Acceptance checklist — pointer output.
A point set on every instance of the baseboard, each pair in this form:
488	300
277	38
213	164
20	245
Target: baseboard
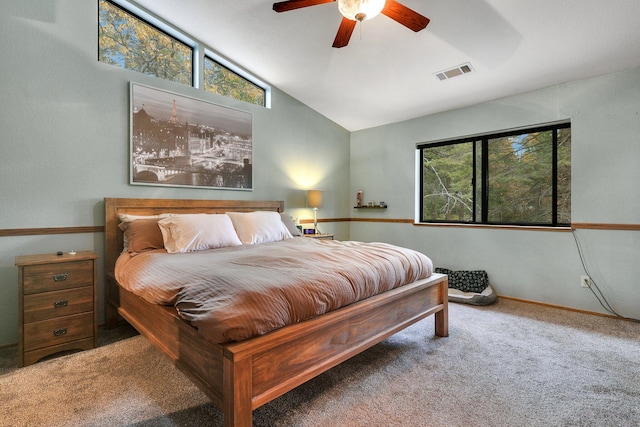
6	346
560	307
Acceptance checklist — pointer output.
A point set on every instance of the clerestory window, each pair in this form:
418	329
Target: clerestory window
129	42
130	38
223	81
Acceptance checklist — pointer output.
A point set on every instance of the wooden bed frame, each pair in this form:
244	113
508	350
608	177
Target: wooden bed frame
242	376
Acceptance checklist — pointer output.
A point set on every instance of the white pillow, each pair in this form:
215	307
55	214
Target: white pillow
259	227
197	232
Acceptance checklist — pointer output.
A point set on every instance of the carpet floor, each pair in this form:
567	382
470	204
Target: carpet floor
509	364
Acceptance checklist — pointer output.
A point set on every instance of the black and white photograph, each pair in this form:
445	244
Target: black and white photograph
182	141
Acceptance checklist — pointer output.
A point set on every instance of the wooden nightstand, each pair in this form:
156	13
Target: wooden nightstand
319	236
57	304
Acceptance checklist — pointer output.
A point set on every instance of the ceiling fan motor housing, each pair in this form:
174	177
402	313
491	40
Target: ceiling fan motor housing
360	10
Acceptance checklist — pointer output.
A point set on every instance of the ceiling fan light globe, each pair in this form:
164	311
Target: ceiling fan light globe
360	10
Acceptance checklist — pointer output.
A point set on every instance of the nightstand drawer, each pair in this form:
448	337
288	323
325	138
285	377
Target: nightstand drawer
57	331
47	305
52	277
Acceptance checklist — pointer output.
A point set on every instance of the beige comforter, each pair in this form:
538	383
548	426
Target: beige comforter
235	293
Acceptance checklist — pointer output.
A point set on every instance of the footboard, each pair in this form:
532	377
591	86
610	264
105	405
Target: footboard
257	371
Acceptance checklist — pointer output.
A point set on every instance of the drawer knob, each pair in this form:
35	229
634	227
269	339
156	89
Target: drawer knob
59	332
61	303
59	277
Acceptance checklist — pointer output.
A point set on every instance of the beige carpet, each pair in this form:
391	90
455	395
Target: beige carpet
510	364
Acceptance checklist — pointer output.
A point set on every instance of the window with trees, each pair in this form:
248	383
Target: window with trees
518	177
127	40
221	80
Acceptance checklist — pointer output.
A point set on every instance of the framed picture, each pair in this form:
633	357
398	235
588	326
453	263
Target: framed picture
180	141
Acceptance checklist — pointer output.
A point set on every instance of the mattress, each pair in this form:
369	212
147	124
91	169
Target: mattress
235	293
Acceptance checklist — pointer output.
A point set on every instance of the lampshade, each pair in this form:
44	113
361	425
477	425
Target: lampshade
314	198
360	10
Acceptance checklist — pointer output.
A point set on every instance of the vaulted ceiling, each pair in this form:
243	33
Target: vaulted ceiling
386	73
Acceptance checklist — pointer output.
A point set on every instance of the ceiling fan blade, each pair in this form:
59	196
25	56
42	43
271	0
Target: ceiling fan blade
284	6
344	32
405	16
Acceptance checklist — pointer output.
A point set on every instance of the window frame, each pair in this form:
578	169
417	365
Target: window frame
199	50
480	193
208	54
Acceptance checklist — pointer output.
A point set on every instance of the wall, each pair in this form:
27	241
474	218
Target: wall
535	265
64	124
64	137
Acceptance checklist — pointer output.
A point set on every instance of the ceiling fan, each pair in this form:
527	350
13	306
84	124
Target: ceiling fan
354	11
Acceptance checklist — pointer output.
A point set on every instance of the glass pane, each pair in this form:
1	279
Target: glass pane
127	41
447	187
219	79
520	179
564	176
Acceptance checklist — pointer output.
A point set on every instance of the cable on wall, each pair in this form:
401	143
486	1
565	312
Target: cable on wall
593	287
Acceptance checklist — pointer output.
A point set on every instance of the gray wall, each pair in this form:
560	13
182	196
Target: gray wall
535	265
64	120
64	138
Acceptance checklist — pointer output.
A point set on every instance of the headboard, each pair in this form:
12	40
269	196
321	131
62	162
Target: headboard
113	240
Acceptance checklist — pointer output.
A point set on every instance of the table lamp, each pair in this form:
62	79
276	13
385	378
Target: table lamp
314	200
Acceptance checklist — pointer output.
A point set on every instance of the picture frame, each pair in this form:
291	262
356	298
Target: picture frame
180	141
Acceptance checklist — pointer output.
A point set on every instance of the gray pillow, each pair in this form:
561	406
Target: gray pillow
286	219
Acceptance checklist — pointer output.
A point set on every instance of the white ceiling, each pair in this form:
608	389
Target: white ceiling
386	73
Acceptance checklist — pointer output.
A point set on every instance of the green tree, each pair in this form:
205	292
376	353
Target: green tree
520	179
564	176
219	79
131	43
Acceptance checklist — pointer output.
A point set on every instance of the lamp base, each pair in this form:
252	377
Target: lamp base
315	221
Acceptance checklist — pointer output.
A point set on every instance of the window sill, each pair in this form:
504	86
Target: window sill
491	226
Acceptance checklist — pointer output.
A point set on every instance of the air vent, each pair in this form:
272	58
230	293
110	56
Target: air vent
454	72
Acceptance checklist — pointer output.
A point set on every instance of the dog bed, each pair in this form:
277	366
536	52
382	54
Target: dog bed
469	287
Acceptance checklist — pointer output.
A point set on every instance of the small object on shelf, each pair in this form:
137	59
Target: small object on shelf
359	199
383	205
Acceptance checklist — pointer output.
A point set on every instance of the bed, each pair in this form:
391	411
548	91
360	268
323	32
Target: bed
240	376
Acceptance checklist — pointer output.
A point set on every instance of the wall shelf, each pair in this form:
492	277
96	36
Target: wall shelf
369	207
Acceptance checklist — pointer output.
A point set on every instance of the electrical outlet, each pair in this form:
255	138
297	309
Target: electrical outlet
585	281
